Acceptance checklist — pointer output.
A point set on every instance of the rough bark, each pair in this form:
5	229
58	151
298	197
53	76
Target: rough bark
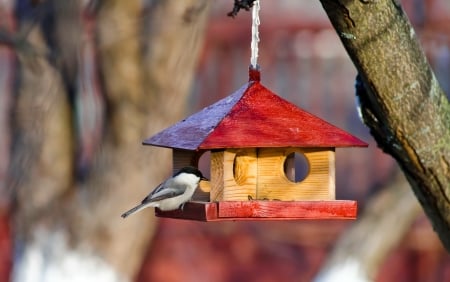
56	210
401	101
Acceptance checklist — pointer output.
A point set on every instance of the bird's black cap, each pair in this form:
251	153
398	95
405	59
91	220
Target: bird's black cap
191	170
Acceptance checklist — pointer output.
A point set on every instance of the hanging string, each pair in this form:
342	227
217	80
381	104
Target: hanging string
255	35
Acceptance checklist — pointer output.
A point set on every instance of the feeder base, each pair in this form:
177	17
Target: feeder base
263	210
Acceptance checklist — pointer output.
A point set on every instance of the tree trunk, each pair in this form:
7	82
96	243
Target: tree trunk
401	101
67	215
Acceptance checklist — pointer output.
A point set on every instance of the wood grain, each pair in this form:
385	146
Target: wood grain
288	209
182	158
240	174
233	174
263	210
217	175
274	185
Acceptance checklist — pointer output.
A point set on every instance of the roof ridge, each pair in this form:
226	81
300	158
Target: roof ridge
253	116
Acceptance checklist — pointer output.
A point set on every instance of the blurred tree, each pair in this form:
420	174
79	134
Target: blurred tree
361	249
125	65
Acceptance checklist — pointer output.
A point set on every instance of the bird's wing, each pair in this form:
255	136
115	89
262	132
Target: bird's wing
165	190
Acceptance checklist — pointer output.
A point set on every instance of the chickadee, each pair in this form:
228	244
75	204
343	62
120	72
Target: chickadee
172	193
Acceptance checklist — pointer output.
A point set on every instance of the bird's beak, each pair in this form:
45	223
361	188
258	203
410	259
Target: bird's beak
204	179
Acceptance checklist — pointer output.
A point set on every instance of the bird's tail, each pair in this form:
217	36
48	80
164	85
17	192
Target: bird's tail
136	209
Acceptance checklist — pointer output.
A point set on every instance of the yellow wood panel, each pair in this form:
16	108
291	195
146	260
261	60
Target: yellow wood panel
240	169
217	169
273	183
233	174
332	174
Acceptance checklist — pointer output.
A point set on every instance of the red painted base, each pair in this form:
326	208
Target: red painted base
264	210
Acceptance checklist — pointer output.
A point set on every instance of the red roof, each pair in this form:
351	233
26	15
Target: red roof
252	116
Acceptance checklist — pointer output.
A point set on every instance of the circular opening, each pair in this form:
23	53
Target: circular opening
296	167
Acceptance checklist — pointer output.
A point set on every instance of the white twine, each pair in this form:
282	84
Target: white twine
255	35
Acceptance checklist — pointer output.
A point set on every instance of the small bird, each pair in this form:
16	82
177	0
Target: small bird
172	193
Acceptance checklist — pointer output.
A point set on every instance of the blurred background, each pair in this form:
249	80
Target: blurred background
84	82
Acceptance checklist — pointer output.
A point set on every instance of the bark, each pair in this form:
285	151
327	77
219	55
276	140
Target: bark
61	218
401	101
42	145
135	95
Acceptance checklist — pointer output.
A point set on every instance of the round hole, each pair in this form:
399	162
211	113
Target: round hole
296	167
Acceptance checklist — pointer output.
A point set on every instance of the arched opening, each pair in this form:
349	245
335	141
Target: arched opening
204	163
296	167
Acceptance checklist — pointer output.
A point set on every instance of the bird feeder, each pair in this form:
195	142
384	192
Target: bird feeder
251	136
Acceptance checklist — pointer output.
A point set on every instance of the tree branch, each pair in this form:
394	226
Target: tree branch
401	101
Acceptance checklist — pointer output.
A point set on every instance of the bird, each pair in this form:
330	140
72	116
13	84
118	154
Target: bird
173	193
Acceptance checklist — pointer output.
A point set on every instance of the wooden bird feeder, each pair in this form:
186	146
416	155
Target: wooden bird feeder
251	136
